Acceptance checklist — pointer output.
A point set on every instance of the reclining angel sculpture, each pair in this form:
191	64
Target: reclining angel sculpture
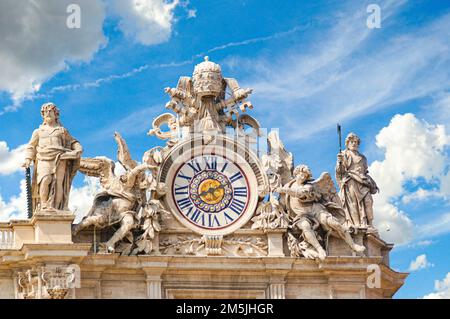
124	200
314	206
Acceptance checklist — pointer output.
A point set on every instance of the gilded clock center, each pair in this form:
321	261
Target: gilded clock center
211	191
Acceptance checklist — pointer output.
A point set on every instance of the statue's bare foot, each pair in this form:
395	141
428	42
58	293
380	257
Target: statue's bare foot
358	248
106	248
322	254
109	248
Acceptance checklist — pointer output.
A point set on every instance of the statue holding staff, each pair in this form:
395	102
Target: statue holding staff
56	157
356	186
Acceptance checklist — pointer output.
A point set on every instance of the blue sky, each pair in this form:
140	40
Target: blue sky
311	64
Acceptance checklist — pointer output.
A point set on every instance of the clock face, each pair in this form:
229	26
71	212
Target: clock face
211	192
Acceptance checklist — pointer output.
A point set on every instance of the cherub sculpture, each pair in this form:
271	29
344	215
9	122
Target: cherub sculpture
123	199
200	102
314	205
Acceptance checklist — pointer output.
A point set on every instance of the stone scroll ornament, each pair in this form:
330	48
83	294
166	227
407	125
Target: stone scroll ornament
172	135
56	158
123	201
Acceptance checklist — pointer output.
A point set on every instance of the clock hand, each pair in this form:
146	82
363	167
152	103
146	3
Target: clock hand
204	193
211	190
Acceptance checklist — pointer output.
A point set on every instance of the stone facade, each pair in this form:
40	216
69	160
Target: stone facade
208	215
340	275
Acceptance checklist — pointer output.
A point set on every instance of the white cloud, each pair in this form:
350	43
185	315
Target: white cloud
393	224
16	206
146	21
37	44
442	289
420	262
11	160
81	199
413	149
192	13
345	75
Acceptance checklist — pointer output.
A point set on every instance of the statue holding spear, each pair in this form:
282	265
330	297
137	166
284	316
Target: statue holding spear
356	185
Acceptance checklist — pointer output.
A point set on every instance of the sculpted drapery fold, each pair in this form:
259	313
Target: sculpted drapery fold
56	158
356	186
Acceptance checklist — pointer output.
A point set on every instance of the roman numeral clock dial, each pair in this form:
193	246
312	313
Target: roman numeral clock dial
212	194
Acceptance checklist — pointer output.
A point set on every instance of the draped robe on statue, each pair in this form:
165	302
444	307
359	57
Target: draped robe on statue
56	154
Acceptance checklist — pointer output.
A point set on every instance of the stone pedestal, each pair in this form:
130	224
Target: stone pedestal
23	233
53	227
44	244
275	242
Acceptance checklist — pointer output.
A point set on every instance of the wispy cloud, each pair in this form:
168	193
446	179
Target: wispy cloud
254	40
351	71
137	122
421	243
145	67
113	77
436	227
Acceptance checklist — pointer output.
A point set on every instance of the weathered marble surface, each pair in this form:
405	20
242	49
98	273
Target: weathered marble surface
177	276
55	156
205	216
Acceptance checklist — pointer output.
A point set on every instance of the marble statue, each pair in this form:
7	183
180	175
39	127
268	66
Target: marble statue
312	204
356	186
205	189
141	205
123	199
56	157
200	102
278	165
